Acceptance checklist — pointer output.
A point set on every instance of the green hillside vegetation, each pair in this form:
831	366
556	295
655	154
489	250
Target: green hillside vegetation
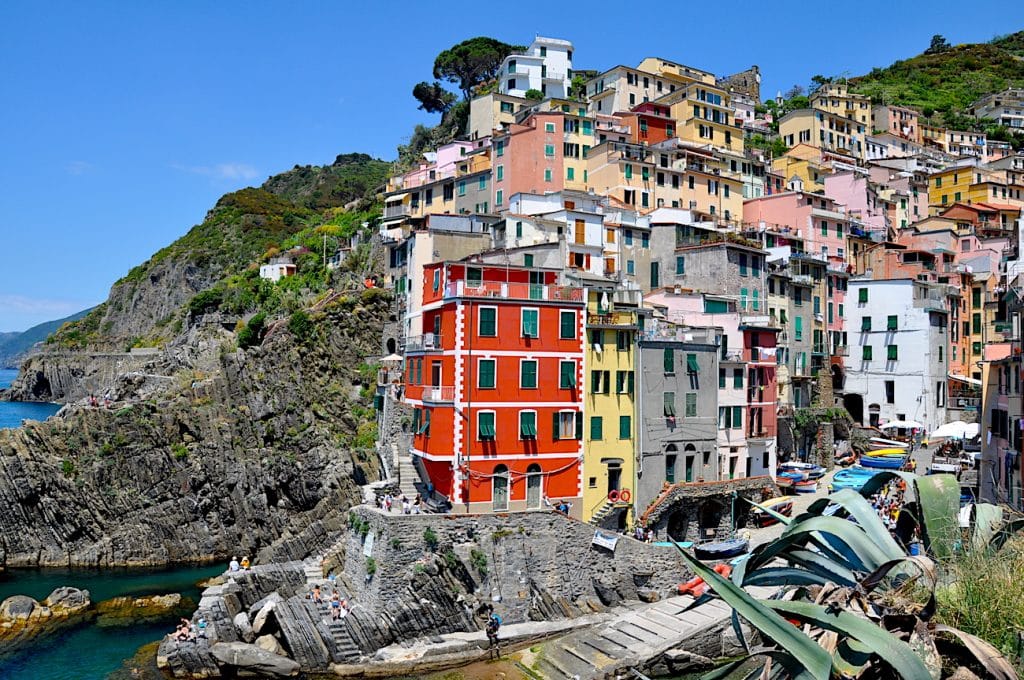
947	79
13	346
307	210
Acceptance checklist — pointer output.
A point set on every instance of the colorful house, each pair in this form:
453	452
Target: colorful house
496	387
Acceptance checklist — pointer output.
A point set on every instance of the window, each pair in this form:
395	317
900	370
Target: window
680	265
817	304
629	171
743	264
462	187
500	173
743	298
862	295
567	325
530	323
940	353
547	174
567	425
622	341
600	382
487	325
625	427
890	391
842	313
527	424
669	401
892	323
866	354
737	378
498	197
976	323
691	405
567	375
737	417
596	428
628	235
437	279
645	240
631	267
891	352
483	183
670	468
669	360
527	260
485	426
499	148
549	127
570	174
691	364
798	328
486	369
425	424
528	374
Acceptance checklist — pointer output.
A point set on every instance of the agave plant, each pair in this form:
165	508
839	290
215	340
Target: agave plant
849	601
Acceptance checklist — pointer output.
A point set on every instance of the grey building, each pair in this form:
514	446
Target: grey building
677	408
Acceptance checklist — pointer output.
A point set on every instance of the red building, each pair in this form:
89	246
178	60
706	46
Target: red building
759	349
649	123
496	386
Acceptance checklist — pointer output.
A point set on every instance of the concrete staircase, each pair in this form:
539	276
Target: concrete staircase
347	648
602	513
408	477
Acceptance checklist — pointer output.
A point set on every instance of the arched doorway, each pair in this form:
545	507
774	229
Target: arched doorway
689	461
678	525
709	518
534	487
499	489
874	415
838	378
854	403
670	463
391	345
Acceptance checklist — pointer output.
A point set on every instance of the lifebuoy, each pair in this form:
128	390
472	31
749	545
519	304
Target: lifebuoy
625	495
613	496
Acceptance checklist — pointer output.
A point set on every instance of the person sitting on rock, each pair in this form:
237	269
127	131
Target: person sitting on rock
233	565
245	562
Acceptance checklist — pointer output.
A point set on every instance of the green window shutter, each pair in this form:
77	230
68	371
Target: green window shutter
830	312
817	304
568	325
737	417
680	265
737	378
629	171
486	378
567	375
625	427
862	295
587	129
976	297
669	360
691	404
596	428
866	353
892	323
645	173
528	260
842	313
595	382
485	425
798	324
530	324
865	323
976	323
721	378
527	424
570	174
670	403
579	425
425	428
629	380
691	364
756	303
417	416
528	374
488	321
743	298
556	423
724	418
892	352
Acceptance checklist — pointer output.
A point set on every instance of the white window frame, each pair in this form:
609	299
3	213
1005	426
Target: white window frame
479	320
495	414
522	317
478	362
536	374
562	421
519	424
575	324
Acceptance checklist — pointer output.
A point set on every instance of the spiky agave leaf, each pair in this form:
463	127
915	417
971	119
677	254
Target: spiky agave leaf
990	657
867	518
938	497
806	651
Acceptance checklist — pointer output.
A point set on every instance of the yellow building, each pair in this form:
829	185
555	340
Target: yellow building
970	184
704	115
824	130
837	99
609	446
805	162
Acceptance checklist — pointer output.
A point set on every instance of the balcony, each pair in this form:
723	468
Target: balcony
397	210
422	343
613	319
733	356
801	279
514	291
439	393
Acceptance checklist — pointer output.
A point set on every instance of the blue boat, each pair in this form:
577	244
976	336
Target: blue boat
851	478
722	550
883	462
809	470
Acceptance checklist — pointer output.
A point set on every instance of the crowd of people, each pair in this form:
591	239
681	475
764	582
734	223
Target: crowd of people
339	606
400	503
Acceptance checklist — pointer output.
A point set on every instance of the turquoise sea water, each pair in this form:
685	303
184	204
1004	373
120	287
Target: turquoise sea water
12	413
92	652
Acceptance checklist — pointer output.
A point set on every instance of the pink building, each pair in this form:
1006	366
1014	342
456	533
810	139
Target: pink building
439	165
819	220
853	190
528	157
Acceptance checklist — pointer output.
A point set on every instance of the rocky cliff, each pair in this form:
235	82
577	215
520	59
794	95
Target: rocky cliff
221	450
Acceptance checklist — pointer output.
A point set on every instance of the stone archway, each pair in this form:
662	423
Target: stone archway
838	377
709	518
679	525
391	346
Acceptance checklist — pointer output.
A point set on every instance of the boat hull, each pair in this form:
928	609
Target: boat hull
720	550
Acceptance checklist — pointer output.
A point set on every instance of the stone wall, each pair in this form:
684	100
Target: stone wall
535	566
695	512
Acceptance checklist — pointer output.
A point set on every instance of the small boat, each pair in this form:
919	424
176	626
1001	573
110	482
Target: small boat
670	544
809	469
886	452
883	462
783	505
806	486
851	478
721	550
793	475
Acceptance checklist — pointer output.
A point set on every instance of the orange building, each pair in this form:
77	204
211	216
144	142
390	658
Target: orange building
496	387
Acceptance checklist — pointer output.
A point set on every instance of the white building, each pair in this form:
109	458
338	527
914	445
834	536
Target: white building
897	365
275	271
1006	107
546	66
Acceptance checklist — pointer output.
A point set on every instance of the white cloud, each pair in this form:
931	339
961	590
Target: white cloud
78	167
229	171
21	304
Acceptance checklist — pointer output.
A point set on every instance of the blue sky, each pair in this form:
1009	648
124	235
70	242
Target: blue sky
121	123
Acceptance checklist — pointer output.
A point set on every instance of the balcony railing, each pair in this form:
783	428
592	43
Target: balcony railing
419	343
397	210
611	319
733	356
438	393
514	291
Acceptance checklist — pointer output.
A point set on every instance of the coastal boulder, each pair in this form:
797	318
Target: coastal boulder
17	608
270	644
124	611
22	619
245	658
264	619
243	627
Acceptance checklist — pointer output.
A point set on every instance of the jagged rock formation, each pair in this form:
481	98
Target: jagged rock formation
23	620
197	463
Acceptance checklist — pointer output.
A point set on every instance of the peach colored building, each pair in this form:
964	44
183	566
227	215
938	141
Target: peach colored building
819	220
528	157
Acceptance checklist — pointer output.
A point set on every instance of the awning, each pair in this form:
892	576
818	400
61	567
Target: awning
964	379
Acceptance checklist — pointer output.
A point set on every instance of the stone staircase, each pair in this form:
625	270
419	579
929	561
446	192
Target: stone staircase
602	513
408	477
347	647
